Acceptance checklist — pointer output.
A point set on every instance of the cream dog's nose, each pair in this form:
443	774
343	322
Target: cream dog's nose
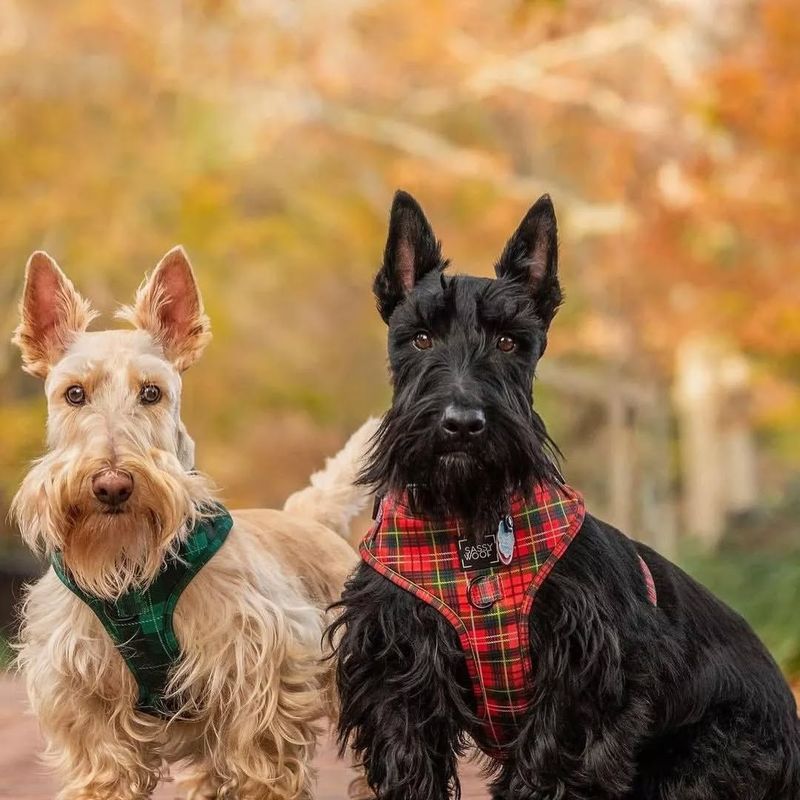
112	487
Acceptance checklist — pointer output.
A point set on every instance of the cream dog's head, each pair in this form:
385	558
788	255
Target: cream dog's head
116	490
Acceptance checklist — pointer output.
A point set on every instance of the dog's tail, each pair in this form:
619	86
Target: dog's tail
332	497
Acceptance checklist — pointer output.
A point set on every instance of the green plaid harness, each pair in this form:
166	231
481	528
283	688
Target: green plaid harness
485	590
140	621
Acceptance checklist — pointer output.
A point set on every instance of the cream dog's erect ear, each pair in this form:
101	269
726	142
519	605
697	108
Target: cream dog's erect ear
168	305
52	315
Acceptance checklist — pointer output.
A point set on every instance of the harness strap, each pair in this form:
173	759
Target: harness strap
140	622
485	589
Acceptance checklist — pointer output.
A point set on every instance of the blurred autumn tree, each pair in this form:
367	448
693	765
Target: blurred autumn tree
723	237
267	136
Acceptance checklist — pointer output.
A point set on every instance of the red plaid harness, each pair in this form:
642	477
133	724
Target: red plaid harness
485	591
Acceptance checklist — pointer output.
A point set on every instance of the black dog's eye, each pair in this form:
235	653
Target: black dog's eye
423	341
506	344
149	394
75	395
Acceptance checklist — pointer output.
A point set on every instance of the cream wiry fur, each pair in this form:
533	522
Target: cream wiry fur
251	680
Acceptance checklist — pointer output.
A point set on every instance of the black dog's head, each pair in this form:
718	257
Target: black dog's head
463	351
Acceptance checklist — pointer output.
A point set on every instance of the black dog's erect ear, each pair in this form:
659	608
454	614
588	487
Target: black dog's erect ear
531	257
411	253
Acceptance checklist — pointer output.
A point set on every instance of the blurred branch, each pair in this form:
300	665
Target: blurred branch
583	218
530	72
286	108
639	118
600	40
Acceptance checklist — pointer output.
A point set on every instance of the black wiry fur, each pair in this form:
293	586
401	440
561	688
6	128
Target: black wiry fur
628	702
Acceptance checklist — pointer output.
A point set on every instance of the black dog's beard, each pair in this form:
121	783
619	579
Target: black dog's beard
460	487
475	486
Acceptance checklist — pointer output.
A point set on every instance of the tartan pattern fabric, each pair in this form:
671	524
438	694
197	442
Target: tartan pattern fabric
488	607
140	621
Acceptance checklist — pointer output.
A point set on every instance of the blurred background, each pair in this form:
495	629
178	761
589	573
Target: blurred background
268	136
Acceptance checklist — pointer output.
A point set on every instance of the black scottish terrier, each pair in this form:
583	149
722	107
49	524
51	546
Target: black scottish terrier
627	701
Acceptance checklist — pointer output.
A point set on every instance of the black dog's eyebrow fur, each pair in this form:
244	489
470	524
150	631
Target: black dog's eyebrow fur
498	311
487	308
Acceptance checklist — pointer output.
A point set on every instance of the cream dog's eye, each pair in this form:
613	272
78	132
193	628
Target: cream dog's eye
149	394
75	395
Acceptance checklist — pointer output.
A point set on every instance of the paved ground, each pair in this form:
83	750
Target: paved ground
22	778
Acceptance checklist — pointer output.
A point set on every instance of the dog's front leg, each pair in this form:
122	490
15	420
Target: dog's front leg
98	761
566	756
594	648
265	721
400	683
406	744
404	760
576	753
95	748
81	691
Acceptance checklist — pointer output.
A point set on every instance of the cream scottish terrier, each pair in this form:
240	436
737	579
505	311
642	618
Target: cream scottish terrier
112	503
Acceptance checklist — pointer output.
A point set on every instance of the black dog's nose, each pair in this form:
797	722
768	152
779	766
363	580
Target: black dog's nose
463	422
